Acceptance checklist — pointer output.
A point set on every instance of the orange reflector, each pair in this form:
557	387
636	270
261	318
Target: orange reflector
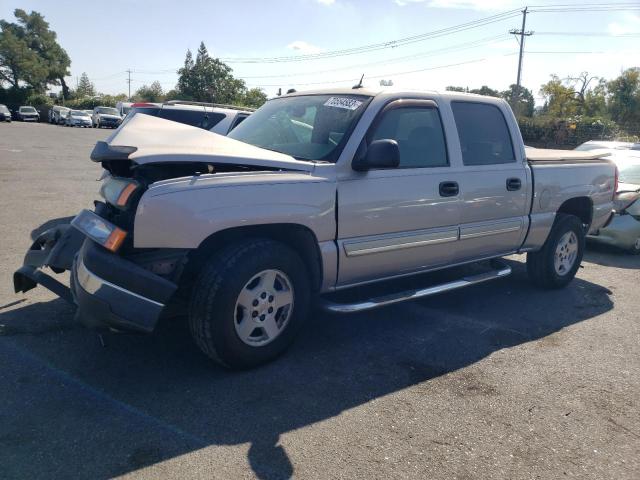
115	239
125	194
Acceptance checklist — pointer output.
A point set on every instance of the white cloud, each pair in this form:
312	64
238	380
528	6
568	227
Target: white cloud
304	47
326	2
463	4
630	25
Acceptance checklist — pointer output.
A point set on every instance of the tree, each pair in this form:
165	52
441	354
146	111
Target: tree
151	93
624	97
19	64
254	98
521	100
484	90
30	53
595	100
560	100
208	79
85	87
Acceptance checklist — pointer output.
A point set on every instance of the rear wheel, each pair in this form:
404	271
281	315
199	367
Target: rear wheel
555	265
635	249
249	302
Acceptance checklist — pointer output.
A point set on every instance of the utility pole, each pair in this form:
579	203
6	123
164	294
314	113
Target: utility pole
522	33
129	82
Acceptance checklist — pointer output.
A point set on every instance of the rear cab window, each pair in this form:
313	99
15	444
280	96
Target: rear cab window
484	134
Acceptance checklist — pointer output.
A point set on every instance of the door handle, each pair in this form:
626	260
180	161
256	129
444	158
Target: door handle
513	184
449	189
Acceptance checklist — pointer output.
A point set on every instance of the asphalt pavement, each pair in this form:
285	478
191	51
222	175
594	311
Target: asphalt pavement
498	381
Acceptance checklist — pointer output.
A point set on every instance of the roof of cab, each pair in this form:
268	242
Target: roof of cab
389	92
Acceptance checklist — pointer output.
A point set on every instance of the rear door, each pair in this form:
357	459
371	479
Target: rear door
494	186
401	220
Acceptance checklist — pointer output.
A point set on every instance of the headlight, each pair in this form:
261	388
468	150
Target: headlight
99	230
119	191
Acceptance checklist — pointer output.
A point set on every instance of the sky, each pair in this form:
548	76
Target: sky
151	37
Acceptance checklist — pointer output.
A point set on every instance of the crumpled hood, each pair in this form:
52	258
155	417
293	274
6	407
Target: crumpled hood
157	140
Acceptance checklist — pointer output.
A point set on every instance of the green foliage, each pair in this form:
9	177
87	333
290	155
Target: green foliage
151	93
551	132
560	99
39	100
85	87
208	79
87	103
30	54
624	97
520	99
484	90
253	98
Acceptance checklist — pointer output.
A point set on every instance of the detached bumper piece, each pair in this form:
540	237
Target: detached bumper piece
116	293
55	248
109	290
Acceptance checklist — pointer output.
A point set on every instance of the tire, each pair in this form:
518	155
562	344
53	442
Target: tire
216	315
635	249
542	268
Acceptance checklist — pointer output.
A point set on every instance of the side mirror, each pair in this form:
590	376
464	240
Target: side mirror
380	154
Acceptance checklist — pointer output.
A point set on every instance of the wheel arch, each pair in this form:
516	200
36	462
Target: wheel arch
298	237
581	207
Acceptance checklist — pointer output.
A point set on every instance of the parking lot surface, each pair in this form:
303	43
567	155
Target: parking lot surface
500	380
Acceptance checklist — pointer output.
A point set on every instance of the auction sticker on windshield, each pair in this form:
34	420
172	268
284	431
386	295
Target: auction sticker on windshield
343	102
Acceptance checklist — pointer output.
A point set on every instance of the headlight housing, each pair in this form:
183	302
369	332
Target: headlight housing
119	192
99	230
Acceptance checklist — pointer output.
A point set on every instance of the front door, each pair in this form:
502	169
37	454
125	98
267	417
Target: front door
400	220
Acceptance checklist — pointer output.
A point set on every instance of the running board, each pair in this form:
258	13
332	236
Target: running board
500	271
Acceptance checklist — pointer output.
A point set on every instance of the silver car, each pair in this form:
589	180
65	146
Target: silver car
78	118
624	229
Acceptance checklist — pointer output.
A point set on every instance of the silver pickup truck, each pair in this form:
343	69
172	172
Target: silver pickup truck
315	193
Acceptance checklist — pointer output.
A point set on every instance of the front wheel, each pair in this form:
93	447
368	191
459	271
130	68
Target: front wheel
249	302
555	265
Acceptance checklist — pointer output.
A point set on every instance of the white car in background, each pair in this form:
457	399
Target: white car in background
78	118
106	117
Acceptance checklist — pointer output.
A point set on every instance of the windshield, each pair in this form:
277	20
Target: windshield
78	113
28	109
108	111
309	127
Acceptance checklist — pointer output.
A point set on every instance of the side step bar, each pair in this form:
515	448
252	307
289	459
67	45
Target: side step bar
501	270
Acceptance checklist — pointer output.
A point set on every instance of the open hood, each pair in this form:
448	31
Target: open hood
145	139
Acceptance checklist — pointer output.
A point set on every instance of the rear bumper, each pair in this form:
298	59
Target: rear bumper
109	291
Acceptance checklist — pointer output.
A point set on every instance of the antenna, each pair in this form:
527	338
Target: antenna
359	84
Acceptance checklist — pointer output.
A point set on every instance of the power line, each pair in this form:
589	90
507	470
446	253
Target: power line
382	45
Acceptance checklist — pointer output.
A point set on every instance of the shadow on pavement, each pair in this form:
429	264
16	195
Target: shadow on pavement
609	256
84	410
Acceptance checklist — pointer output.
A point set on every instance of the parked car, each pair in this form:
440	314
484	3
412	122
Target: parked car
57	114
5	114
28	114
607	144
217	118
313	194
62	116
106	117
78	118
624	230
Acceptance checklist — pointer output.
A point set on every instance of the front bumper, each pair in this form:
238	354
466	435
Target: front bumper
109	290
